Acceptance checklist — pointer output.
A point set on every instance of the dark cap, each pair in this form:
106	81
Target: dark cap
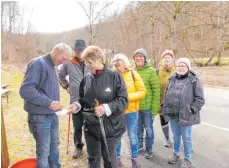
79	45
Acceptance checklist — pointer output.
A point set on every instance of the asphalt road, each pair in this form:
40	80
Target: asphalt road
210	138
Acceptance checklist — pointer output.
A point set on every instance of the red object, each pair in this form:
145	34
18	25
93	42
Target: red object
69	119
170	54
27	163
98	72
75	61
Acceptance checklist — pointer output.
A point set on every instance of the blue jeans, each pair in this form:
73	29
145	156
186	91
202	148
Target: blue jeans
146	121
132	124
186	133
45	130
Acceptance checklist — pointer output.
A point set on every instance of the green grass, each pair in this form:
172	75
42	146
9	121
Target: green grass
213	61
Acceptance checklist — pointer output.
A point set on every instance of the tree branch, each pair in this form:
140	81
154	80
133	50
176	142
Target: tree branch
85	11
105	6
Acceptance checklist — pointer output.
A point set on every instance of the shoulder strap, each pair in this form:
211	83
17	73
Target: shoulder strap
157	71
132	73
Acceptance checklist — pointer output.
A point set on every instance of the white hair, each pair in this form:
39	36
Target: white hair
124	58
62	47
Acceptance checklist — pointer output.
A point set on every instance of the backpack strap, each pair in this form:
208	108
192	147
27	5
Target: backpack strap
157	71
132	73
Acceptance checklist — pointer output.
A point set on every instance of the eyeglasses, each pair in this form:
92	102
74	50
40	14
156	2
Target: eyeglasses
181	66
138	56
117	60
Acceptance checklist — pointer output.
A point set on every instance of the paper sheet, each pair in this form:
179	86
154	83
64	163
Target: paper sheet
62	112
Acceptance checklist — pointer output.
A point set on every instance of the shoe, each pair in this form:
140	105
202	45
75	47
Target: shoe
77	153
149	153
140	148
168	144
174	158
135	163
186	164
119	163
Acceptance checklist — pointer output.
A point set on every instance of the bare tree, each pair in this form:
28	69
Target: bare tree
93	13
9	17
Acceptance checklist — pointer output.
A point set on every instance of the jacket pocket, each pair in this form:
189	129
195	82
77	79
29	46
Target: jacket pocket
114	126
186	113
110	127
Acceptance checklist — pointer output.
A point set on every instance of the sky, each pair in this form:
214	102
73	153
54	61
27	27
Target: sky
58	16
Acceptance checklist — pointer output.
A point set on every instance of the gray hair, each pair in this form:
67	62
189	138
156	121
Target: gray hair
62	47
124	58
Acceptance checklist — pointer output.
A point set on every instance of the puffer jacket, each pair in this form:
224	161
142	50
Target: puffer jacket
150	79
191	100
163	76
135	88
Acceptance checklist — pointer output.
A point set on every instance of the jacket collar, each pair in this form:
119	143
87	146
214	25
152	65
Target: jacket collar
100	72
192	75
49	59
146	65
75	60
182	76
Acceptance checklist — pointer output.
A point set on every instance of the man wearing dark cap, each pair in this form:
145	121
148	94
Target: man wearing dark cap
76	70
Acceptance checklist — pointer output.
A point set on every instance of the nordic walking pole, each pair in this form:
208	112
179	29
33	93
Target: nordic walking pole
103	133
69	120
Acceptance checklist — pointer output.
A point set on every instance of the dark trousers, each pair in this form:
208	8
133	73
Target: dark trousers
96	148
78	124
163	122
165	127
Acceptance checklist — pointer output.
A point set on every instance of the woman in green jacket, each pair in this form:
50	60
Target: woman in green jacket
150	105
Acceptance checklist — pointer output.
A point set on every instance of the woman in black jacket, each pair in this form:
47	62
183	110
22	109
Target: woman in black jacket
103	99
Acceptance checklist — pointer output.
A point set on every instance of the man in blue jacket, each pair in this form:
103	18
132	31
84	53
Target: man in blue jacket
40	91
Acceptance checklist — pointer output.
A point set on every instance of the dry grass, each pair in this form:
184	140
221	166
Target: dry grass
21	144
215	76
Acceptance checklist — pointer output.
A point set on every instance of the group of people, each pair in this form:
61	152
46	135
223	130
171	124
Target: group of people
106	102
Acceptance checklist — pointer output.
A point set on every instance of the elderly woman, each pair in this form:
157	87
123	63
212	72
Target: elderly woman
182	103
103	99
136	91
164	71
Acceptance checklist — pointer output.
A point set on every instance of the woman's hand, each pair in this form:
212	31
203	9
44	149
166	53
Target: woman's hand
99	111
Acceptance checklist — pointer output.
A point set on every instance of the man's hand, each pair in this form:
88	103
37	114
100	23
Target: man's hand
55	106
72	108
99	111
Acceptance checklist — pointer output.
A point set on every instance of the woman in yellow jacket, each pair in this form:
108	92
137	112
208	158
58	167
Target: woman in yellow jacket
136	91
165	70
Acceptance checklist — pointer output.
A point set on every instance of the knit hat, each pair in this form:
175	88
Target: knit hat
141	51
79	44
167	52
124	59
185	61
